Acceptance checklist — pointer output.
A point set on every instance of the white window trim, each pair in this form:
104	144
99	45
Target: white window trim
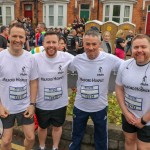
122	11
4	13
55	15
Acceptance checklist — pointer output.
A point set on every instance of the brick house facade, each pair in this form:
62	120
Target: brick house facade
60	13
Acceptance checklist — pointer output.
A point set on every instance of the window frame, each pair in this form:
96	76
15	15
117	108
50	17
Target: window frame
122	11
56	15
4	15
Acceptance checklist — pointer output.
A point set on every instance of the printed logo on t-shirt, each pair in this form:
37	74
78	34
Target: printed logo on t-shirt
89	92
144	81
133	103
17	93
51	94
23	73
100	72
60	70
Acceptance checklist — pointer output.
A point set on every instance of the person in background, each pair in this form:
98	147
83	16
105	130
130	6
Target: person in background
53	92
72	42
106	44
94	70
133	95
80	49
120	44
42	29
129	38
18	88
4	30
62	44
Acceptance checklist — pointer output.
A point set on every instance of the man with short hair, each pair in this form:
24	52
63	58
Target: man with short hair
42	30
18	88
94	70
3	37
133	95
53	91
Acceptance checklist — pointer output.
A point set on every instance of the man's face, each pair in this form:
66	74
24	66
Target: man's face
141	51
6	31
50	44
17	39
91	46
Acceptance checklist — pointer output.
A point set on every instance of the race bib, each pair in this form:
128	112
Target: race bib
52	93
17	93
133	103
90	92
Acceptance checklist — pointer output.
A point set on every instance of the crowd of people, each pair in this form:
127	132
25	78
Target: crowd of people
37	84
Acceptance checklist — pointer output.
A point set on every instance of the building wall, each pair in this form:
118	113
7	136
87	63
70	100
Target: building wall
96	13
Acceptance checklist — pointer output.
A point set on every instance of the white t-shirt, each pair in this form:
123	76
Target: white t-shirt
53	90
93	79
136	82
15	76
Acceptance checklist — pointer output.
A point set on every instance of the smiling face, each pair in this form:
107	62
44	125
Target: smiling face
50	44
17	38
141	51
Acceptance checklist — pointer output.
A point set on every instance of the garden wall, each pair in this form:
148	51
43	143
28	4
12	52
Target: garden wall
115	136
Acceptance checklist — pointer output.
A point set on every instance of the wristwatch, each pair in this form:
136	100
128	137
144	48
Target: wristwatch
143	122
34	104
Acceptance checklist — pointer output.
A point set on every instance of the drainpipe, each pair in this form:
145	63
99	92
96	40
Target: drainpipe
98	11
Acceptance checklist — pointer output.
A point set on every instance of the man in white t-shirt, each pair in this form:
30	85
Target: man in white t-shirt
133	95
94	69
18	88
53	91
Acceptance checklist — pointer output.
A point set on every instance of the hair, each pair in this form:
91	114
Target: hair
2	29
92	33
18	25
119	33
141	36
105	33
51	33
42	24
62	38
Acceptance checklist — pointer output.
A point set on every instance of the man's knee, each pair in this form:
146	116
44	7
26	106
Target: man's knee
6	141
30	137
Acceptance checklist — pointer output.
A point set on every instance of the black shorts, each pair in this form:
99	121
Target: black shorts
51	117
142	134
19	117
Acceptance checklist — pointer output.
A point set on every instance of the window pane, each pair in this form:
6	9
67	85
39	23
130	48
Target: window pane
126	11
125	19
85	6
107	10
60	11
51	10
8	20
116	20
149	8
0	10
28	7
106	19
51	21
60	20
116	10
1	20
44	10
8	10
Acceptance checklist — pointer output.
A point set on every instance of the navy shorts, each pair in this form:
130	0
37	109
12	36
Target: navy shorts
143	134
51	117
19	117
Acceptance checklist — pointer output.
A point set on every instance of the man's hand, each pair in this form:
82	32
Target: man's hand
3	112
131	119
29	113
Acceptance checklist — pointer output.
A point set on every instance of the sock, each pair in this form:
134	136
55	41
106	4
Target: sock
54	148
42	147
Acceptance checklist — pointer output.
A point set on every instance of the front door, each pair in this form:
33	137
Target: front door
84	11
28	11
